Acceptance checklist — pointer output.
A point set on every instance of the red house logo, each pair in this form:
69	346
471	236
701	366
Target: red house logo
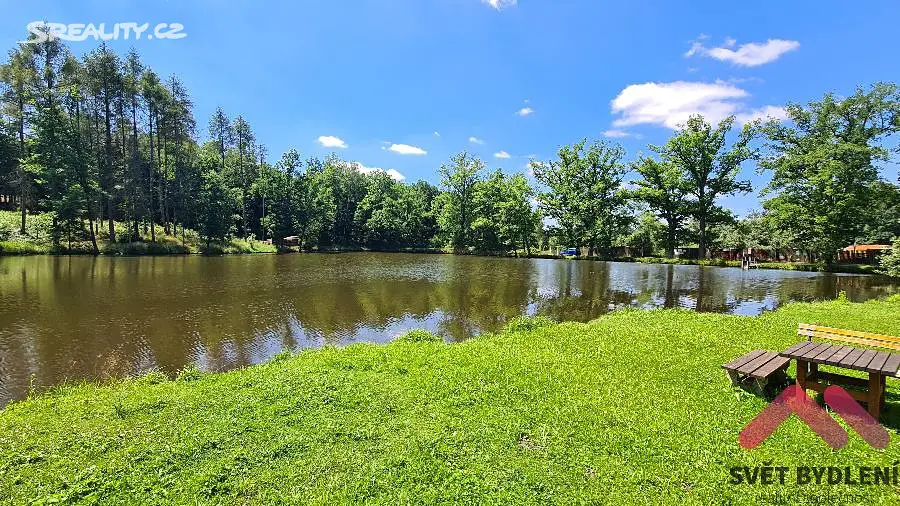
795	400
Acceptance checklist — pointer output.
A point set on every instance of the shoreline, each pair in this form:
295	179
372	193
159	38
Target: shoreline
162	249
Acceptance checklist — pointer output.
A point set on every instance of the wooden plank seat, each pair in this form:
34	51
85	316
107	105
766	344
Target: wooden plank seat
756	368
878	364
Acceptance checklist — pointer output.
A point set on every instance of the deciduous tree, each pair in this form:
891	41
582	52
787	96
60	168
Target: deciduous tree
823	165
709	165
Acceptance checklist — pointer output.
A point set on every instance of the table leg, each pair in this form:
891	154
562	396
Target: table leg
875	393
801	373
813	371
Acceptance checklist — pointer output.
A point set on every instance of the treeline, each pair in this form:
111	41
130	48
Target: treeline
104	139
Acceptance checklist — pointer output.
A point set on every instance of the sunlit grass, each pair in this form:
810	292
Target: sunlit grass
631	408
20	247
38	240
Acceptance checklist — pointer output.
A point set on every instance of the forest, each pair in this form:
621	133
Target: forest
105	151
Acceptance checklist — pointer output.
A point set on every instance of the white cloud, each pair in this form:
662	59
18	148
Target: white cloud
747	55
368	170
330	141
502	154
525	111
406	149
616	134
476	140
500	4
671	104
763	113
696	47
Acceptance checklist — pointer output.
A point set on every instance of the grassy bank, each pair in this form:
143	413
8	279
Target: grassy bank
783	266
37	240
631	408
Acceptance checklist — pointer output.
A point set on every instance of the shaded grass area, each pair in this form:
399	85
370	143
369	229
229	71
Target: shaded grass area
632	408
38	240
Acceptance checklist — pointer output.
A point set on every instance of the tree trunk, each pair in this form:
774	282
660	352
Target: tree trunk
91	227
160	139
112	222
702	242
243	184
23	187
82	173
150	171
135	157
109	163
55	231
127	176
670	239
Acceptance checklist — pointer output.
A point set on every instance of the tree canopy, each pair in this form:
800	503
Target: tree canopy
111	150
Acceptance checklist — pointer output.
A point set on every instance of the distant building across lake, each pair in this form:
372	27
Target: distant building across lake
863	253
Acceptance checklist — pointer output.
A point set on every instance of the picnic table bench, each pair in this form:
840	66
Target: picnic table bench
759	366
878	364
756	367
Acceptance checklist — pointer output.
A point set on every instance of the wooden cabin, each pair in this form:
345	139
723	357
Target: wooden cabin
863	253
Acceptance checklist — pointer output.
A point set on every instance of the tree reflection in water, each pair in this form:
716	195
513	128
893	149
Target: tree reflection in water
71	318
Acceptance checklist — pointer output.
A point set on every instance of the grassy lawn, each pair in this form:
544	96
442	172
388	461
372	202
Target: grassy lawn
631	408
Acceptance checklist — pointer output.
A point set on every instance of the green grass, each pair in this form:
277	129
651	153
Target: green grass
38	240
685	261
783	266
632	408
20	247
817	267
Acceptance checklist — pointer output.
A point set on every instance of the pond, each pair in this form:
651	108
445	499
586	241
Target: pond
71	318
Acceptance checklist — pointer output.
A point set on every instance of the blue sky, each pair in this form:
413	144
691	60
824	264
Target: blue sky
495	77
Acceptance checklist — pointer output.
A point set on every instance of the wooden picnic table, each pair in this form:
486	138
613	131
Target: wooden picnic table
878	364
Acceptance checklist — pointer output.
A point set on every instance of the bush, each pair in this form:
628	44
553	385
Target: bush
526	323
890	263
152	377
418	336
190	373
283	356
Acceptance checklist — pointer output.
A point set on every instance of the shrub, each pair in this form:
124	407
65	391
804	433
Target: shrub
419	336
282	356
152	377
526	323
890	263
190	373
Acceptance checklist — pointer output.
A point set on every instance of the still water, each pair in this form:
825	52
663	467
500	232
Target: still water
69	318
